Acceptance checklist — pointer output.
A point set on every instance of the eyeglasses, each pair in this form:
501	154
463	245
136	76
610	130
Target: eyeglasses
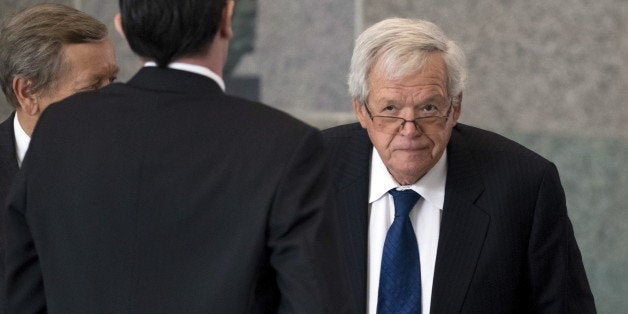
431	120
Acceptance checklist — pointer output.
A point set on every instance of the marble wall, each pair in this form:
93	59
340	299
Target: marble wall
552	75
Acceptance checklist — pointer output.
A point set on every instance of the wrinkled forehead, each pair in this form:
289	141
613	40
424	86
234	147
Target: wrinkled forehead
86	56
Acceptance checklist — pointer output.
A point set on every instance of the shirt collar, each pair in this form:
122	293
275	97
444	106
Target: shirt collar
22	140
431	186
194	69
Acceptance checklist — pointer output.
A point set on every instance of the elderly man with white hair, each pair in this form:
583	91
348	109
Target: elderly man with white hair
437	216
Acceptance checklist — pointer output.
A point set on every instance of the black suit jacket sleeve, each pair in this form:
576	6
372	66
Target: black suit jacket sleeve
28	297
557	276
302	237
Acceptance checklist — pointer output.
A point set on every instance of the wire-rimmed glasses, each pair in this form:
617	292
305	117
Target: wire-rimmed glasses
430	122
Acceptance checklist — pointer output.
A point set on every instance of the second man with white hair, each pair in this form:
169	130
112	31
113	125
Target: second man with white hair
437	216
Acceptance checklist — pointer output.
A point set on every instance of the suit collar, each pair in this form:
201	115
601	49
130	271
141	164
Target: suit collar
463	227
193	68
8	158
172	80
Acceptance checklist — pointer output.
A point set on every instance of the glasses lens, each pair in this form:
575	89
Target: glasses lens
431	125
388	125
392	125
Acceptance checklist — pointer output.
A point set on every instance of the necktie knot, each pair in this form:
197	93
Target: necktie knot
404	201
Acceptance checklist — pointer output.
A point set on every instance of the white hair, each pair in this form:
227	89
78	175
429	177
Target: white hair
401	47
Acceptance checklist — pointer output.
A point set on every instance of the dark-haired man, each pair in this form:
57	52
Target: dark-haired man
165	195
47	52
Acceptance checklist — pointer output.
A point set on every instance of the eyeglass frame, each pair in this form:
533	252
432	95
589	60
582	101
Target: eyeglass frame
414	121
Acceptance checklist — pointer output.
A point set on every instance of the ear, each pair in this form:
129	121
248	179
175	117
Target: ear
25	97
225	29
457	108
360	113
117	23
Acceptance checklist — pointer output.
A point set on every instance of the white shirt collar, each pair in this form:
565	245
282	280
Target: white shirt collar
22	140
194	69
431	186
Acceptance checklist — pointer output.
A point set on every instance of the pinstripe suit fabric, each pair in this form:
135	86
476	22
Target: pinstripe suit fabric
506	243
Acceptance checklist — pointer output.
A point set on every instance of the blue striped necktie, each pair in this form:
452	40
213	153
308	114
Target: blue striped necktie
400	276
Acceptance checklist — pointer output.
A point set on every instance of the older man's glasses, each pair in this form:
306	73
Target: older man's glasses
431	120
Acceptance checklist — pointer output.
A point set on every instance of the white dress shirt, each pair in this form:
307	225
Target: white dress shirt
22	140
425	217
194	69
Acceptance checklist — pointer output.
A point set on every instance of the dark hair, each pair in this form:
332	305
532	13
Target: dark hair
32	41
165	30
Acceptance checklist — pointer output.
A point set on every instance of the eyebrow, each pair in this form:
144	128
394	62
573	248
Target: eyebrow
389	102
433	98
112	69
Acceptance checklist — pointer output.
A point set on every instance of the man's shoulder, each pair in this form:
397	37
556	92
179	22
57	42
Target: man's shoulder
348	146
343	131
8	121
7	135
8	158
346	136
267	118
490	147
126	101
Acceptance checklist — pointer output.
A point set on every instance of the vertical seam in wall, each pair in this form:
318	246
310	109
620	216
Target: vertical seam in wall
358	18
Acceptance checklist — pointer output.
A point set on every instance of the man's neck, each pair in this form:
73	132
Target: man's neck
27	122
216	68
214	59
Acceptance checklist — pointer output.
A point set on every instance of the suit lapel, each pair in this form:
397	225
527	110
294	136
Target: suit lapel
352	156
462	232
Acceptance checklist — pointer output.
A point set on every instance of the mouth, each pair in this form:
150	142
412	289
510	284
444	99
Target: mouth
412	148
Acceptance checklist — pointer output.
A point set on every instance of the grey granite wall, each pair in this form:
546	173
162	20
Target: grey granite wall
302	52
552	75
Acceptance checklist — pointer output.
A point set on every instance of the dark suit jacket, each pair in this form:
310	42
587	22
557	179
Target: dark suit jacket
506	244
164	195
8	169
8	158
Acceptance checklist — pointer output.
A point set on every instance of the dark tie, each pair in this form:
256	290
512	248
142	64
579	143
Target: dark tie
400	276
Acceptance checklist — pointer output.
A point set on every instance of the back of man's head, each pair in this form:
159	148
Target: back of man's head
166	30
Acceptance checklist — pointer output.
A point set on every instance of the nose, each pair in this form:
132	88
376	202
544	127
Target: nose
409	127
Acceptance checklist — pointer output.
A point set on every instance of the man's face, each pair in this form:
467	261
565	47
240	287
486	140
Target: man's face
90	66
408	154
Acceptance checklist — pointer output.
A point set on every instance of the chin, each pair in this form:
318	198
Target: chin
413	158
409	176
414	170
